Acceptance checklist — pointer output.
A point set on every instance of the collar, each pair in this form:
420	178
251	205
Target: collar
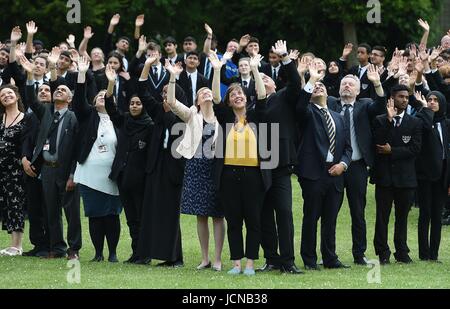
351	103
401	115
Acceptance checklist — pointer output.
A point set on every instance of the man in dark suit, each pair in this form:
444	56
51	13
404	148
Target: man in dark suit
323	156
281	107
191	80
170	47
398	139
55	157
39	236
358	115
363	55
276	70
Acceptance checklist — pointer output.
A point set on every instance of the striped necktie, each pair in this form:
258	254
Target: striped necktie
330	130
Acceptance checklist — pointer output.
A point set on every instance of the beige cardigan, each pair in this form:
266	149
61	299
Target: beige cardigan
192	137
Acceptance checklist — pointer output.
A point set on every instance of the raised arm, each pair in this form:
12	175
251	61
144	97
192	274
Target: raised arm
217	66
52	60
87	35
116	116
31	31
178	108
259	84
139	22
426	31
207	44
293	85
16	34
30	95
80	106
374	77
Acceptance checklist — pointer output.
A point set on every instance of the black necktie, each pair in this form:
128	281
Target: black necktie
330	130
155	73
244	82
397	121
190	82
274	74
359	72
347	114
36	87
54	132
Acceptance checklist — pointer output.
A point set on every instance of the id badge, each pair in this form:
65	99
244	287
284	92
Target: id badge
46	146
102	149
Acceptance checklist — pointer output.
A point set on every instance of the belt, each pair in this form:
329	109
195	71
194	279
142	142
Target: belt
51	163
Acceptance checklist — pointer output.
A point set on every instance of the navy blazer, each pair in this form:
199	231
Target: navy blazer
314	142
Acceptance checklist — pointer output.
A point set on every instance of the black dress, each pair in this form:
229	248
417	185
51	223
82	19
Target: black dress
12	186
160	234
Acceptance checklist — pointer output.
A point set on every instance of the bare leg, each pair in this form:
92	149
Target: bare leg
219	236
203	236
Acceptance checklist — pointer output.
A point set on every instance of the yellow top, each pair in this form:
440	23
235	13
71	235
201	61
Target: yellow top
241	148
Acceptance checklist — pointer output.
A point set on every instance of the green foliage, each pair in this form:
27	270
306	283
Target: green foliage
309	25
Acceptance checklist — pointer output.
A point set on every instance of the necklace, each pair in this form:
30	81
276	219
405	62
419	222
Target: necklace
12	123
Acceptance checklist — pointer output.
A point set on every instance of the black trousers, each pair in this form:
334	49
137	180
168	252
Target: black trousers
242	195
278	199
432	196
39	236
321	200
355	180
57	198
132	201
384	197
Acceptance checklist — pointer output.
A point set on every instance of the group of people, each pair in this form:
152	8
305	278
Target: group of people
219	136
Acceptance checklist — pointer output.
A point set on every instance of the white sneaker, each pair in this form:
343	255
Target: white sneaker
11	251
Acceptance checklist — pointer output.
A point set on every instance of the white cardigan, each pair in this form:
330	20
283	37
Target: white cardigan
192	137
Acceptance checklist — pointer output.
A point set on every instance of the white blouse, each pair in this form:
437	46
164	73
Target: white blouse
94	172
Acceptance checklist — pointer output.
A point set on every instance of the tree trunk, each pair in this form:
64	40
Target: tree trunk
350	36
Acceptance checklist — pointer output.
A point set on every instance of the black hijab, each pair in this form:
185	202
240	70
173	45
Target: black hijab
442	112
333	80
136	124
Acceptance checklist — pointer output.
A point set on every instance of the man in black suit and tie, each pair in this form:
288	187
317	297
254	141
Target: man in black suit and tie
55	157
398	139
276	70
281	108
358	115
191	80
363	55
324	155
170	47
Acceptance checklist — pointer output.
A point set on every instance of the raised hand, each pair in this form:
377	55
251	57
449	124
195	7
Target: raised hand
71	40
418	65
227	56
255	61
402	66
150	60
373	75
420	98
348	48
26	64
208	29
88	34
139	20
293	54
16	34
83	65
280	48
110	73
54	56
302	65
435	53
174	69
215	61
143	44
423	55
20	49
74	55
31	28
424	24
244	40
314	73
114	20
391	109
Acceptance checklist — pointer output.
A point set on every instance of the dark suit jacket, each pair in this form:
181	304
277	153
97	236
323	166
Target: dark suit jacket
398	168
281	79
126	90
314	143
364	111
67	143
281	109
250	90
183	81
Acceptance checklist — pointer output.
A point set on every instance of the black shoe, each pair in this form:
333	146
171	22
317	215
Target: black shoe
404	259
113	258
312	267
175	264
144	261
336	265
362	261
133	258
291	270
98	258
435	261
384	260
268	267
32	252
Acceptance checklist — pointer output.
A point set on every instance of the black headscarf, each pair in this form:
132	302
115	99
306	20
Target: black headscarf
333	81
135	124
442	112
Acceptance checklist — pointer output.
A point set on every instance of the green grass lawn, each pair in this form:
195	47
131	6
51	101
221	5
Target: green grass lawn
24	272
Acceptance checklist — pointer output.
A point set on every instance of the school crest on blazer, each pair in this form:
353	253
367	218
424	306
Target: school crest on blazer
406	138
142	144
